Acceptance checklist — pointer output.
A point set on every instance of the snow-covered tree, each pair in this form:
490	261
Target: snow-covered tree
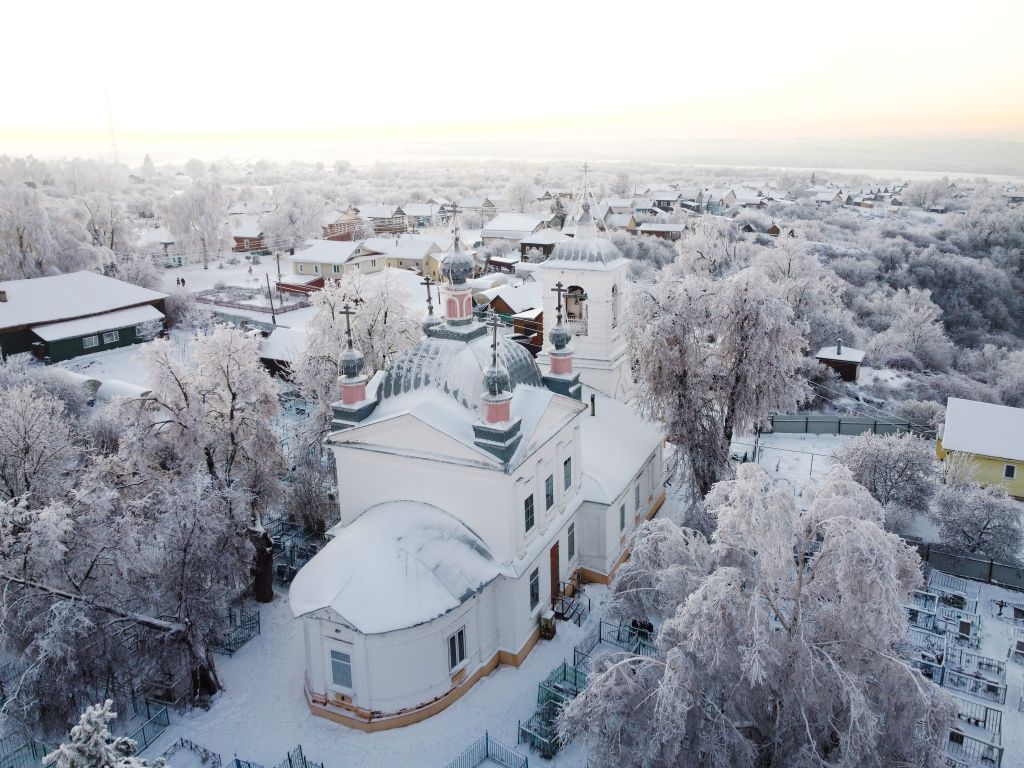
135	268
198	219
148	169
916	339
979	520
40	235
382	328
713	248
217	413
91	744
896	469
520	194
296	217
712	358
778	644
37	446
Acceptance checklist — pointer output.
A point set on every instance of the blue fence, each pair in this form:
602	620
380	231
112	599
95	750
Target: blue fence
488	748
152	728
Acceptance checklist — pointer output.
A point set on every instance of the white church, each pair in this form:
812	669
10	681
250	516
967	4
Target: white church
477	488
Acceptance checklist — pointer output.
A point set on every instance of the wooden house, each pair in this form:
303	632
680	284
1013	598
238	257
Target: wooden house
845	361
334	258
991	436
77	313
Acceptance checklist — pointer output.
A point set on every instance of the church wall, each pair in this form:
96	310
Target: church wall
396	671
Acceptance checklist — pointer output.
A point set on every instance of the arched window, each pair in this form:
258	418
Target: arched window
615	305
576	309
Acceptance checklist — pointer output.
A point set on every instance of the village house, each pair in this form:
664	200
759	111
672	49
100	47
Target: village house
384	218
419	215
511	228
341	226
250	208
77	313
405	251
479	490
992	438
664	230
247	233
334	258
539	245
845	361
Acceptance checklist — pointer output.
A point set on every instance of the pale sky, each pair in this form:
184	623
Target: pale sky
219	74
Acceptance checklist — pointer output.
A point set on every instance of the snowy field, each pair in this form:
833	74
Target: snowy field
793	459
262	712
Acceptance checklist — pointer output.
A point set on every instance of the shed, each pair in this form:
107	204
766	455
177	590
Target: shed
845	361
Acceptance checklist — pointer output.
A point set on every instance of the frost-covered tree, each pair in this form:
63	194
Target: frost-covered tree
712	358
40	235
296	217
1010	379
980	520
91	744
713	248
916	338
217	412
520	194
382	328
198	219
778	644
37	446
896	469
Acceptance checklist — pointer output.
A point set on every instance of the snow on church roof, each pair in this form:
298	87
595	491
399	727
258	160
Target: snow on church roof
617	442
984	429
399	564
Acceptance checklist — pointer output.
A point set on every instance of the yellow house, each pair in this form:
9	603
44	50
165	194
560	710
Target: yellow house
334	258
992	436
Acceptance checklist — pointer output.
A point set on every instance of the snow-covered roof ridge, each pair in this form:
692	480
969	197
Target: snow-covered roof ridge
398	565
68	296
121	318
841	353
985	429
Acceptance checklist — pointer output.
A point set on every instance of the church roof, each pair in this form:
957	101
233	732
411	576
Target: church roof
455	366
586	249
399	564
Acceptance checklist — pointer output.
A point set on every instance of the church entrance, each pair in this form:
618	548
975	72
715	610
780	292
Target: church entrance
554	572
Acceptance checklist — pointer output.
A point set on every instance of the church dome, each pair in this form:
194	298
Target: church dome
456	367
586	246
458	267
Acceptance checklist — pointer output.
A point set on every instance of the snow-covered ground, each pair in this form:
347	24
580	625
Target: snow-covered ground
792	458
262	712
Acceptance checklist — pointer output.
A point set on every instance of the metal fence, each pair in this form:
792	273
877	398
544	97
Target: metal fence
208	758
841	424
974	568
488	748
151	729
21	752
241	626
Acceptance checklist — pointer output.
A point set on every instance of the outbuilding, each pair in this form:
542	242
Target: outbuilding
845	361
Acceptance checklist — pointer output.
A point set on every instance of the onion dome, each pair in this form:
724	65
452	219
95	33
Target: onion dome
586	246
560	336
496	380
458	267
351	362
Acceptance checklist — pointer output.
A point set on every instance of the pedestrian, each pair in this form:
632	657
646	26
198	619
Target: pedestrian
183	282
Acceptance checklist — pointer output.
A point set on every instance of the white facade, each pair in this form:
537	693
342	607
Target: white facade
456	533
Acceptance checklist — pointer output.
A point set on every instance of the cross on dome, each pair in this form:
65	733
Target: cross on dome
352	360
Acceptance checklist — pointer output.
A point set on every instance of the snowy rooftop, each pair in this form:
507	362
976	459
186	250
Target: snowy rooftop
844	354
546	236
329	251
284	344
984	428
400	564
122	318
616	443
513	225
246	226
67	296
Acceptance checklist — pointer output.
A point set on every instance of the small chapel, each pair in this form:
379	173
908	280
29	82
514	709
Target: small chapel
479	489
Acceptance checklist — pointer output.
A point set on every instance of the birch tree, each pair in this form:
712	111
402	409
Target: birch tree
778	644
712	358
198	219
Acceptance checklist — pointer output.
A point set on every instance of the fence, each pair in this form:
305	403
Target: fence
151	729
978	569
208	758
296	759
211	296
837	424
242	627
18	753
488	748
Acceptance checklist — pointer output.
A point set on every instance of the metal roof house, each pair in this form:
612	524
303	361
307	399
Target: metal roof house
64	316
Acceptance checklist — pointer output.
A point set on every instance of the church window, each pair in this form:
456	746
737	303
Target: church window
341	669
615	306
572	540
636	498
528	511
457	648
567	472
534	588
549	492
622	517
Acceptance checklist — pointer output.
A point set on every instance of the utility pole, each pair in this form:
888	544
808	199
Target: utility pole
277	256
270	296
